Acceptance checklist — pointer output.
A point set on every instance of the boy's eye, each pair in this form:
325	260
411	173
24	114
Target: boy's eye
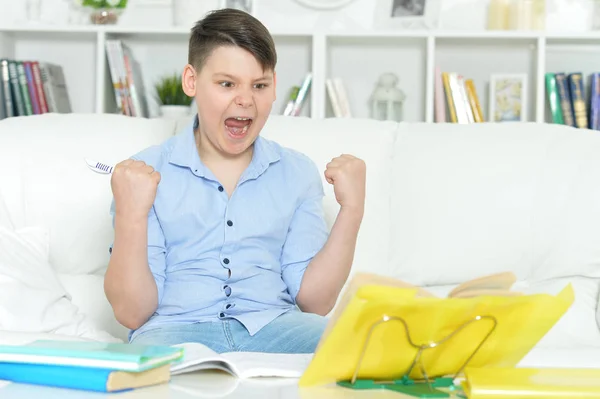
260	85
226	84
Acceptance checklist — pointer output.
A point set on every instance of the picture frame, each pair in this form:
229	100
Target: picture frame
245	5
407	14
508	98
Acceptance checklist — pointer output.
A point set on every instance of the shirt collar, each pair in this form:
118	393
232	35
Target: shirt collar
185	153
265	153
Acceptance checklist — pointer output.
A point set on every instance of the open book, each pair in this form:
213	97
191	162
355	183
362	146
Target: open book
241	364
499	284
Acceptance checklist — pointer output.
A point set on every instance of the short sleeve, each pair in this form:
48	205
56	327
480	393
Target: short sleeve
306	236
156	250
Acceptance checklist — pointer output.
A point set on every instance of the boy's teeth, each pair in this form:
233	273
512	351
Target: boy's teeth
237	130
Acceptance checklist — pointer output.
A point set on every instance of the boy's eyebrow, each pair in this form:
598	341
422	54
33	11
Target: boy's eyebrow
228	76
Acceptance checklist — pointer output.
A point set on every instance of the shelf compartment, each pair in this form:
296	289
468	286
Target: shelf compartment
360	61
479	58
76	54
294	62
567	55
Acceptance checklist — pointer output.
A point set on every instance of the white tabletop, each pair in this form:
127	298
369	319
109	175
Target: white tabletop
205	384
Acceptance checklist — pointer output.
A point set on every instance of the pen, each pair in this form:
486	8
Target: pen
99	167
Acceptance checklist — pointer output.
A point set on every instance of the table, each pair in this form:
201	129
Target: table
204	384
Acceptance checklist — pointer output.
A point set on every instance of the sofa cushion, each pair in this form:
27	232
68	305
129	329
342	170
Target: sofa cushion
87	293
31	297
47	183
470	200
370	140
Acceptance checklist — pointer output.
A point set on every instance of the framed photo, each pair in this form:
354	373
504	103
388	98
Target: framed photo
244	5
508	98
407	14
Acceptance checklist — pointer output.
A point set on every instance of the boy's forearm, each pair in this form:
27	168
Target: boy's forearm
129	285
328	271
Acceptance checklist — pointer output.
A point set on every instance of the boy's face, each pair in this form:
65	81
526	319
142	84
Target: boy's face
234	98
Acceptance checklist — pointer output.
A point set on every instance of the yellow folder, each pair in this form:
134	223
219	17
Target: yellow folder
508	326
531	383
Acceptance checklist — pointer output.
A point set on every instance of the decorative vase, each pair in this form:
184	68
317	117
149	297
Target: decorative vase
105	16
175	111
187	12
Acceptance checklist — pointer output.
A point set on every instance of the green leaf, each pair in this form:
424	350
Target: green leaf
104	4
170	91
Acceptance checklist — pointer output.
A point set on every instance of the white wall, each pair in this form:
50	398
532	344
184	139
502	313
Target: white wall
569	15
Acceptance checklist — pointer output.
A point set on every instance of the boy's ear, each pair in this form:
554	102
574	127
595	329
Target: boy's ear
274	86
188	80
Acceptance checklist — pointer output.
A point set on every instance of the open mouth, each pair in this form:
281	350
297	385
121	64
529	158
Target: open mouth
238	126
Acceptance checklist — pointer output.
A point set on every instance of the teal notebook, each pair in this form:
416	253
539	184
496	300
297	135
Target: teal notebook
114	356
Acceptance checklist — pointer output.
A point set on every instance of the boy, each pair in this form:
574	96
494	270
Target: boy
231	248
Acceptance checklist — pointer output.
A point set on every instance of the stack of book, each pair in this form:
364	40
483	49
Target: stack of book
461	99
338	98
32	88
126	78
567	99
90	366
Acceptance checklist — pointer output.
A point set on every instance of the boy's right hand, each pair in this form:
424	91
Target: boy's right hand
134	185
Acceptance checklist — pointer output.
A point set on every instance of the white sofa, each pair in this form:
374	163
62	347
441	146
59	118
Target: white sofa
445	203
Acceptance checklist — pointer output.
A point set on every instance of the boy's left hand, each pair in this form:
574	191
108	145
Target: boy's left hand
348	175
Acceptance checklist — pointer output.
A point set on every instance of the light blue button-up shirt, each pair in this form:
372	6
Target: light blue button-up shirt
264	235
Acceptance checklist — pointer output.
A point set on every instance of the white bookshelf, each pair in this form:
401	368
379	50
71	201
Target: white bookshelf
358	57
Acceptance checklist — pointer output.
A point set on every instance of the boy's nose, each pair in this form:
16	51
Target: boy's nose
244	100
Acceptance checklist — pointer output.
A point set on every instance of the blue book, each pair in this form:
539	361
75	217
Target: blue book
83	378
594	117
112	356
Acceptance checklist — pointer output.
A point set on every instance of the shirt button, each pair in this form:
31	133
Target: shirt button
227	290
110	250
221	314
229	223
226	261
228	306
221	188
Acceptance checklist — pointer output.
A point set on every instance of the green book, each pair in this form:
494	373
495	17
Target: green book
554	99
114	356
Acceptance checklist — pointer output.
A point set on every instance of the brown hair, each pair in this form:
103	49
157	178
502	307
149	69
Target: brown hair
231	27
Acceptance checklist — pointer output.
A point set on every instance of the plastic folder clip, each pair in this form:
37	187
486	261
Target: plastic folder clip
427	388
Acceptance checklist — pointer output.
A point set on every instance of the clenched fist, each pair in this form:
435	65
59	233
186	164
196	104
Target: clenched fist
348	174
134	185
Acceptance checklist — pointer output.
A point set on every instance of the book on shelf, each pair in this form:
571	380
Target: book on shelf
126	80
338	98
456	99
298	97
32	88
571	101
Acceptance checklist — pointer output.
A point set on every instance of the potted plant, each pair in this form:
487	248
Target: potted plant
103	11
174	103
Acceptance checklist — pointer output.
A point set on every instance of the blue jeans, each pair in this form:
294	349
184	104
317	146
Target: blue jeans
292	332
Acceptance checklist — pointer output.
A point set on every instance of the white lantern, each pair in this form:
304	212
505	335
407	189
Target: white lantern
387	99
